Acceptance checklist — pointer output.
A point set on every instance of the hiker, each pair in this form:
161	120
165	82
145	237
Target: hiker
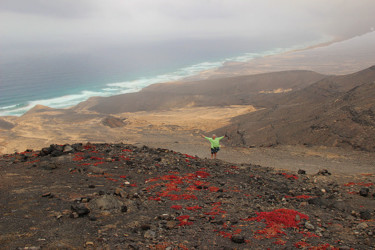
215	144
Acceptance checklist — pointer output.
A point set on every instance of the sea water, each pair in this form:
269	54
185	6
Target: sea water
62	79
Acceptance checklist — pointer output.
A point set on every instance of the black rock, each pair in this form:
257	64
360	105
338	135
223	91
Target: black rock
45	151
301	171
56	153
364	192
124	209
365	215
93	218
323	172
238	239
145	227
80	209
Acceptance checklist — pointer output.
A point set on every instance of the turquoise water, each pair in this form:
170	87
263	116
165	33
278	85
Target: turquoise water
63	79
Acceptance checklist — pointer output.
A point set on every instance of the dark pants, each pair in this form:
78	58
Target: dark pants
215	150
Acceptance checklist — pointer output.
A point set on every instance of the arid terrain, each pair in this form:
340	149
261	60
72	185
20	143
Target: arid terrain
296	170
118	196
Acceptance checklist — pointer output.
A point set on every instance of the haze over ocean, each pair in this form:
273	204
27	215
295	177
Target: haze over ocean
60	80
59	53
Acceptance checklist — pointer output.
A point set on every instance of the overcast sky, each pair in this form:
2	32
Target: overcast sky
41	23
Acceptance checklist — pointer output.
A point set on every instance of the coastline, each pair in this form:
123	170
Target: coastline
200	71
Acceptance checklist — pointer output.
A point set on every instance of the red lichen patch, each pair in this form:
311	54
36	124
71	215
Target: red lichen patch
216	210
125	158
177	207
350	184
123	176
194	208
276	221
290	176
78	158
234	167
96	158
127	150
309	235
279	242
111	179
225	234
190	156
89	146
213	189
325	247
184	220
301	244
201	174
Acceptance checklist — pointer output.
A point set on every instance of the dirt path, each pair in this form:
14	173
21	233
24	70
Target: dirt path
311	159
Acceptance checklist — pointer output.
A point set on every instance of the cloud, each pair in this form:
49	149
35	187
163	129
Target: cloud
84	22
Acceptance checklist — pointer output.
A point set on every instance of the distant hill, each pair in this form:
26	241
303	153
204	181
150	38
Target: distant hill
241	90
334	111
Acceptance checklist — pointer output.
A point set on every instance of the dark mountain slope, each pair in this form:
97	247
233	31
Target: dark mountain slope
335	111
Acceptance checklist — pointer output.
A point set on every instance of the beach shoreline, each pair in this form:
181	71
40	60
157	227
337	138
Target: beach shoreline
264	62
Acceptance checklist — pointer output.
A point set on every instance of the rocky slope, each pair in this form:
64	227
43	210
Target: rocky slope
335	111
120	196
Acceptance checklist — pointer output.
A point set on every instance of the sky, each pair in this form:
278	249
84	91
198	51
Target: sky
43	24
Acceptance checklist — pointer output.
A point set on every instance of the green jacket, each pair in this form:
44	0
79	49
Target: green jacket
215	143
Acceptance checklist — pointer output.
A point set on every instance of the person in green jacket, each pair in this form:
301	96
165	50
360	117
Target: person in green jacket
215	144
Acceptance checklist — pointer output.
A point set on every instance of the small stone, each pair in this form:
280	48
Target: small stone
92	218
74	215
124	209
89	243
298	218
365	215
362	226
67	148
238	239
95	170
324	172
49	194
149	234
301	171
120	192
308	225
145	227
303	204
91	186
170	224
80	209
364	192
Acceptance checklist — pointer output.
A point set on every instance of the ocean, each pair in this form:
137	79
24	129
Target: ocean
64	78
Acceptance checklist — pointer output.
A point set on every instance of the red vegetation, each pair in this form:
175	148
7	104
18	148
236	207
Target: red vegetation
350	184
275	221
177	207
290	176
184	220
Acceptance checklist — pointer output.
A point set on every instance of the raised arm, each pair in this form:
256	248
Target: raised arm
203	135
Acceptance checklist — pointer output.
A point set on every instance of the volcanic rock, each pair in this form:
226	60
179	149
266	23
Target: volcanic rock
80	209
364	192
